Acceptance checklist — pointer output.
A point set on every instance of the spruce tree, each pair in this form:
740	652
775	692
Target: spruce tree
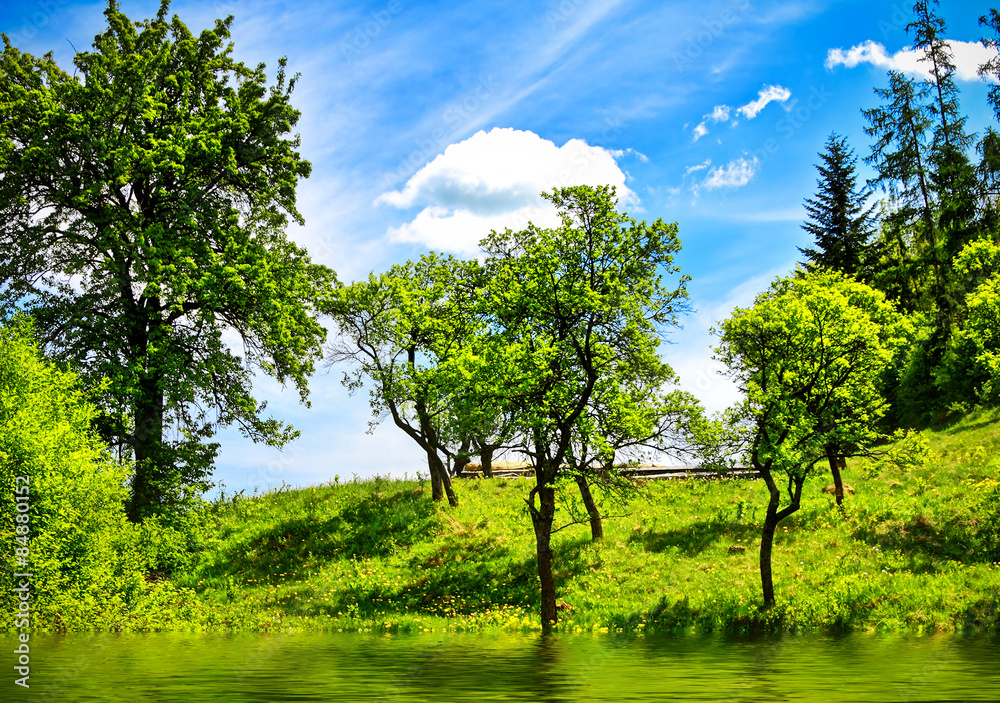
838	218
952	175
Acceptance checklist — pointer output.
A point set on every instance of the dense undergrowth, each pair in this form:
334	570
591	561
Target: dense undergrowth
915	549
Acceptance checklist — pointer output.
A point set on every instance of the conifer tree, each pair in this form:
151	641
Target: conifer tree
839	220
952	174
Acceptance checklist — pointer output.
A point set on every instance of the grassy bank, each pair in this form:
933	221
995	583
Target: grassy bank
916	549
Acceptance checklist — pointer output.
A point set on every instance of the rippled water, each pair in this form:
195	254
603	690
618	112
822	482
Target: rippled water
463	667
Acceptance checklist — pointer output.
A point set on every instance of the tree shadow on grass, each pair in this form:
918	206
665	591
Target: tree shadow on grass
695	538
927	545
374	525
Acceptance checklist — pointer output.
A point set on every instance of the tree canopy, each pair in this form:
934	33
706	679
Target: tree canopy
143	202
810	358
575	315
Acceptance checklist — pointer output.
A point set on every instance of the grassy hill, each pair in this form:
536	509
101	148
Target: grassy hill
916	549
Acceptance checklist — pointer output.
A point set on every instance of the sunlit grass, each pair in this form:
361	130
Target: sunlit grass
910	552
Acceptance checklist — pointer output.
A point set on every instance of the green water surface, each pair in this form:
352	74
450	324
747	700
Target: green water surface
169	667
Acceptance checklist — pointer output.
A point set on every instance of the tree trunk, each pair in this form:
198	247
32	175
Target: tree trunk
596	526
486	457
449	491
766	544
442	485
147	445
836	463
541	519
437	486
462	458
771	520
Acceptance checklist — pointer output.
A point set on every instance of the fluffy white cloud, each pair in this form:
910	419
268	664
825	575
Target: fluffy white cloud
767	94
720	113
735	174
967	57
493	181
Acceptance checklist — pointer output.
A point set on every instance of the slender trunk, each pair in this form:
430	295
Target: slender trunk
449	491
441	487
437	486
486	457
596	526
766	544
541	519
771	520
835	465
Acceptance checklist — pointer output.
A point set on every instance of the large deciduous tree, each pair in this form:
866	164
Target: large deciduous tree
575	315
809	357
143	203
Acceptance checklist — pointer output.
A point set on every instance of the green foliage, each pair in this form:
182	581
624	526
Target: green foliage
810	357
840	223
159	177
575	315
401	330
87	560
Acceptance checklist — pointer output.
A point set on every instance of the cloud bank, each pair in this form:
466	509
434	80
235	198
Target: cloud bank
967	57
492	180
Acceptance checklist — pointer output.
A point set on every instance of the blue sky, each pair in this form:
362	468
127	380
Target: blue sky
428	123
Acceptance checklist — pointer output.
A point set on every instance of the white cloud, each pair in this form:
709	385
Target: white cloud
967	57
735	174
703	165
493	181
767	94
720	113
621	153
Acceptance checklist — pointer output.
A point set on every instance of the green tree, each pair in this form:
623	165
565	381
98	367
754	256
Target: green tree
809	357
902	161
401	329
953	175
840	223
979	265
571	310
144	201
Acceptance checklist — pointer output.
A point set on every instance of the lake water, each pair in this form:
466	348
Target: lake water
466	667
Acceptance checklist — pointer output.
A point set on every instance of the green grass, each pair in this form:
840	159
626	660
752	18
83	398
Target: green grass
916	549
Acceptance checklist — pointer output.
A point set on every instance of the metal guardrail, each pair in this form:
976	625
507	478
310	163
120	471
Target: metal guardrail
653	472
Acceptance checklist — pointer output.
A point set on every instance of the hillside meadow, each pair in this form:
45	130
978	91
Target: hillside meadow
915	549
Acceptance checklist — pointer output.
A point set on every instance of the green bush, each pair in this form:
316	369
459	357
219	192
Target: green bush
88	563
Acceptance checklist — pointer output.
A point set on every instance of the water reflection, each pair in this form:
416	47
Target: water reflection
496	667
